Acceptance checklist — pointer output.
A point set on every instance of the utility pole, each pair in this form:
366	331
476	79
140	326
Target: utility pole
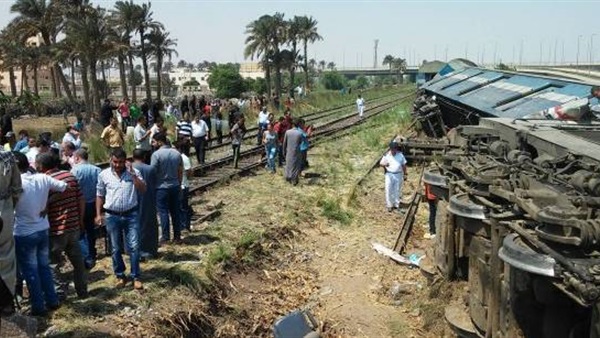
555	46
591	52
577	58
521	54
375	54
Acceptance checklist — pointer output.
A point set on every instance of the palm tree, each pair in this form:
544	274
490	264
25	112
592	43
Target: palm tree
124	17
146	23
322	64
39	17
293	37
160	46
388	60
11	47
331	66
258	45
278	29
90	36
181	64
308	34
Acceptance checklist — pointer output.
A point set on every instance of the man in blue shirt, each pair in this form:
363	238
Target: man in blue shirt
87	176
169	174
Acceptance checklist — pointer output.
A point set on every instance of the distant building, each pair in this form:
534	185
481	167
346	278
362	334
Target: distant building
251	70
43	74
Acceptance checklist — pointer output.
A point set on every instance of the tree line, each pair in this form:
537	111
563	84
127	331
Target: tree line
78	35
277	44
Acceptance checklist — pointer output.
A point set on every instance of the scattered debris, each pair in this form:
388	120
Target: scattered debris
381	249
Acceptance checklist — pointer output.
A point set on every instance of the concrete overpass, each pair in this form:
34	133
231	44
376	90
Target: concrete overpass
588	73
356	72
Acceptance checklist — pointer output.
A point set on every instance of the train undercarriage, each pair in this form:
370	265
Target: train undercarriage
518	218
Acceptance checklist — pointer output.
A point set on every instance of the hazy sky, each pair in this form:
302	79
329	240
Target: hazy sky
415	30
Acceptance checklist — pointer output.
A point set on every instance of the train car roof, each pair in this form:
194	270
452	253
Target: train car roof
506	94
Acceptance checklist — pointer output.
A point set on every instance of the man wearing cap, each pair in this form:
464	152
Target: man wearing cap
394	164
263	120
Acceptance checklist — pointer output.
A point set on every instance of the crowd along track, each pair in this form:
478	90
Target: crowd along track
221	170
310	118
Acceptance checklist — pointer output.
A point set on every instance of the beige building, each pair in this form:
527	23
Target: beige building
43	74
251	70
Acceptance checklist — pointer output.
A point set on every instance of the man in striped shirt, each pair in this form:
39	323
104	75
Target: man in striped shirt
184	133
65	215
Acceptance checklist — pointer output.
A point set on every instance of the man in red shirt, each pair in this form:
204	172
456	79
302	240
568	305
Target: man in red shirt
65	215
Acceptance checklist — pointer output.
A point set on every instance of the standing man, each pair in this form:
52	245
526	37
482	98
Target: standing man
360	106
432	201
145	108
32	241
65	215
72	135
87	176
116	194
394	164
184	133
186	211
10	185
147	207
141	136
263	120
125	114
6	124
106	113
184	106
207	120
237	135
293	155
169	173
200	135
112	136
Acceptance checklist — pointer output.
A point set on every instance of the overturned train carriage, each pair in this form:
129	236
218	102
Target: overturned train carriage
519	202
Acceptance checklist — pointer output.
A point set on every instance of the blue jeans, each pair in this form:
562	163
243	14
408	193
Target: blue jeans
116	226
167	202
33	258
186	211
271	151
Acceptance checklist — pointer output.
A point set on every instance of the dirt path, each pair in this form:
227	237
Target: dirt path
324	261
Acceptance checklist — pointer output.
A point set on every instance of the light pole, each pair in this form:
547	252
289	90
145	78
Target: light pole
591	52
577	58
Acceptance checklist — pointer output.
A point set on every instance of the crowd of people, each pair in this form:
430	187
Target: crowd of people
54	202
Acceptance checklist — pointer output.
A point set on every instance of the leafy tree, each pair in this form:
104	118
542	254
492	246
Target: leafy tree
362	82
502	66
226	81
191	83
181	64
388	60
160	46
146	23
123	19
307	34
136	78
333	80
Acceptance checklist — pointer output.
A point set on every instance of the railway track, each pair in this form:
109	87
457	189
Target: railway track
220	171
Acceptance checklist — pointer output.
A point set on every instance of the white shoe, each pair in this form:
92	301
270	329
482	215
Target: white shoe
429	236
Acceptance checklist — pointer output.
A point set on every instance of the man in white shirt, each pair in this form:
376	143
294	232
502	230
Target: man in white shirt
394	164
72	136
141	136
31	231
186	211
199	135
263	121
360	106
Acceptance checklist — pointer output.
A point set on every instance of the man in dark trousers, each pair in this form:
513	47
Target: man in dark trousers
169	173
147	207
184	106
106	113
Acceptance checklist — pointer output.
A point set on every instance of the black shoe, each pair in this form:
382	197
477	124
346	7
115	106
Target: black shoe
390	209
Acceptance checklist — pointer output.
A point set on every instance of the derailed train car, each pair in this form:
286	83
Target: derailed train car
519	201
